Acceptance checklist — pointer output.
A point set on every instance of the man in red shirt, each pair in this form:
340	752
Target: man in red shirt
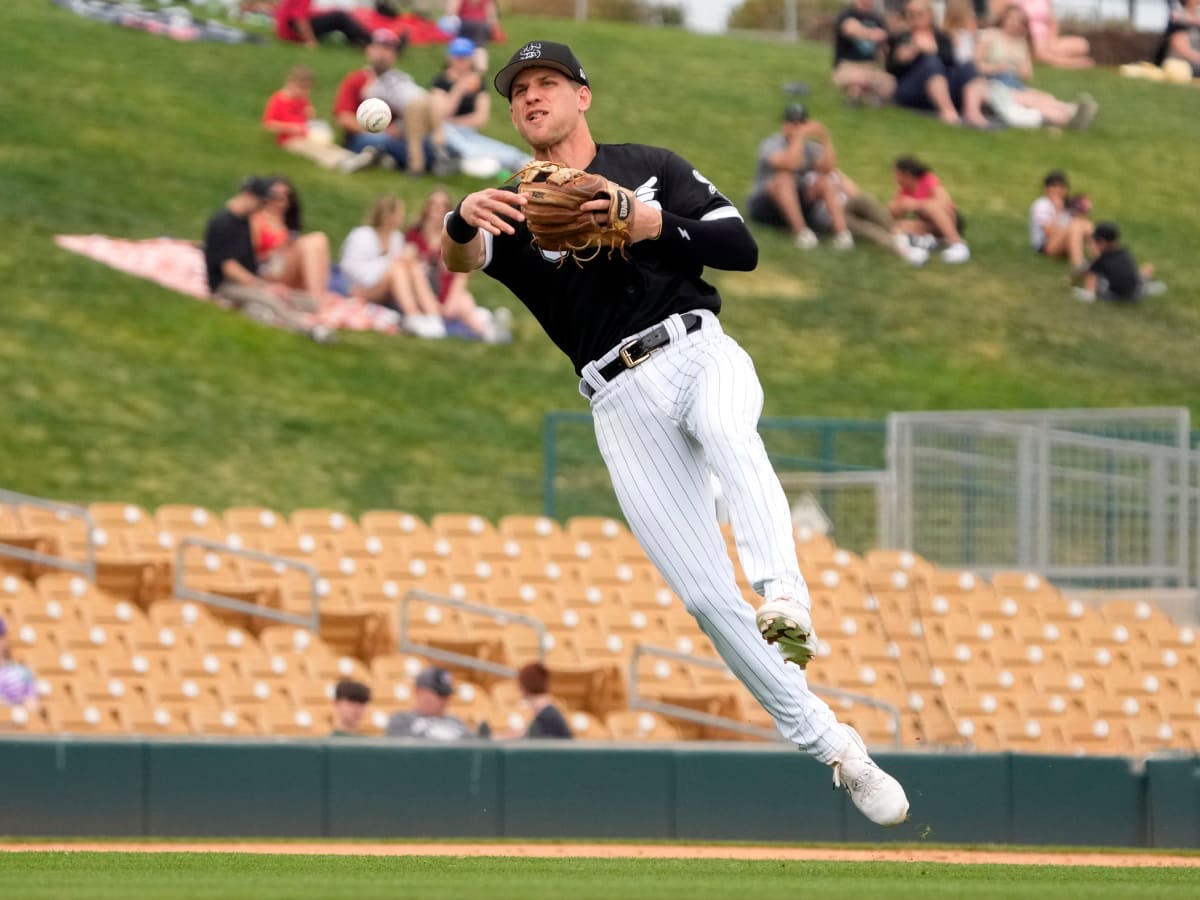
297	21
416	133
289	115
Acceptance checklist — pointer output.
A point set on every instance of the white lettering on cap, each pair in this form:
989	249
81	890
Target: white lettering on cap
531	51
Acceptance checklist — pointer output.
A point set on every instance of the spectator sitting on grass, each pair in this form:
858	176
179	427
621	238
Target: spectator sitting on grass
1113	274
1058	228
1050	47
429	718
350	699
285	252
18	687
962	26
925	212
1182	38
860	41
289	115
298	22
384	269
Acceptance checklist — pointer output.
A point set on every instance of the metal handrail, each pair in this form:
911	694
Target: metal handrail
461	659
182	592
86	568
691	715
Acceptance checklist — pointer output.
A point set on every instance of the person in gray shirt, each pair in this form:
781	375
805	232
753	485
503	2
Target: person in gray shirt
428	717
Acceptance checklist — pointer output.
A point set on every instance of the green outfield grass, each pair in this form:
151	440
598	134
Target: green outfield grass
117	389
170	876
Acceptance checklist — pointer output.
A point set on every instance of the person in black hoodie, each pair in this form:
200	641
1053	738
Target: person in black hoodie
922	61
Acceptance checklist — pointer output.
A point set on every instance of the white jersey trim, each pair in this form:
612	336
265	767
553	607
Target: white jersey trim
721	212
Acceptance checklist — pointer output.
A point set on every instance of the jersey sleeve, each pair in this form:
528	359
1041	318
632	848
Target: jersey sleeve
688	194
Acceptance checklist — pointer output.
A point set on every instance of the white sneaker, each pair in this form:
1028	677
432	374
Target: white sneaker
425	326
957	252
843	240
365	158
916	256
788	625
877	794
806	240
1083	295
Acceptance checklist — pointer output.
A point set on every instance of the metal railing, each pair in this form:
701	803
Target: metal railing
858	523
461	659
181	591
676	711
86	568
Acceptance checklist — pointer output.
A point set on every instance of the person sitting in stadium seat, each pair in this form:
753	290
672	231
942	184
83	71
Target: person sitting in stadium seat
925	212
350	699
429	718
18	687
289	115
385	269
296	21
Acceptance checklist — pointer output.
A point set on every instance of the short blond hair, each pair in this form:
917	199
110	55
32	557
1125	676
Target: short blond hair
384	208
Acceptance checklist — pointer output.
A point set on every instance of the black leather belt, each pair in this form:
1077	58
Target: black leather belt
638	351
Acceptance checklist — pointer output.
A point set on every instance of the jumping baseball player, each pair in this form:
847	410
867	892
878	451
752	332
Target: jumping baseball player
672	395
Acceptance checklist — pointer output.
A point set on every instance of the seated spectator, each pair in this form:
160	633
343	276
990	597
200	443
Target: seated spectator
921	59
463	105
415	135
1181	42
350	699
289	115
548	721
232	266
1003	57
18	687
1113	274
792	174
479	22
285	252
1050	47
925	212
860	41
1058	228
297	21
457	303
962	25
384	269
429	718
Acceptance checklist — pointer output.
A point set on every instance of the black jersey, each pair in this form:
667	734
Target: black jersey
587	309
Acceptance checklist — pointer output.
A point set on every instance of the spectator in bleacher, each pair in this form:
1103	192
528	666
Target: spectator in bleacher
18	687
458	306
298	22
860	41
548	720
232	266
1058	228
793	173
921	58
385	269
289	115
1050	47
429	718
1181	41
1003	57
1114	274
415	136
925	211
350	699
464	106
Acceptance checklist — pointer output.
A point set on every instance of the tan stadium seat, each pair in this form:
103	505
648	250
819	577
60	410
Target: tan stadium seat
20	720
280	720
181	521
84	719
590	688
639	725
326	524
151	720
883	563
460	526
127	527
596	529
528	528
25	569
585	726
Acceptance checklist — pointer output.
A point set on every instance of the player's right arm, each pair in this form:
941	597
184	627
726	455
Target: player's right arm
492	210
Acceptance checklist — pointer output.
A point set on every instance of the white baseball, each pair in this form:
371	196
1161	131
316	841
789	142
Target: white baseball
374	115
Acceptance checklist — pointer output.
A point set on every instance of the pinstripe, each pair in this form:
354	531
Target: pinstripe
695	406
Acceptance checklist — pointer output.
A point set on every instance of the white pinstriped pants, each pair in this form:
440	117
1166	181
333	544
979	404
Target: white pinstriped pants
691	407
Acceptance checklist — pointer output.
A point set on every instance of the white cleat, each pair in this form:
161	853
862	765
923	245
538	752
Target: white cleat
877	794
788	625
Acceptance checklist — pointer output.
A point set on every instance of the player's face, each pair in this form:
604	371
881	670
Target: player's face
546	106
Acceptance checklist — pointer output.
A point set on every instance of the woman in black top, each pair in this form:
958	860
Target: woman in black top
922	61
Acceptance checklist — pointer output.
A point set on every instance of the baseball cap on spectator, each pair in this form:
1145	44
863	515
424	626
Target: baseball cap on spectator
385	38
546	54
460	46
257	185
795	112
354	691
436	680
1106	231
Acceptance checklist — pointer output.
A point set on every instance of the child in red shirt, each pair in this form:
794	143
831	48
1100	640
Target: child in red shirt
290	116
924	211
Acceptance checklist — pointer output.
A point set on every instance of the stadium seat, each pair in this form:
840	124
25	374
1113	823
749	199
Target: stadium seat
639	725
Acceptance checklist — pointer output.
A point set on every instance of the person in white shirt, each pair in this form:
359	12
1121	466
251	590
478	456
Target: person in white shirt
1054	229
384	269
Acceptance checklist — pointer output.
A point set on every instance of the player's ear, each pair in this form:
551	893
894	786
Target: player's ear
584	95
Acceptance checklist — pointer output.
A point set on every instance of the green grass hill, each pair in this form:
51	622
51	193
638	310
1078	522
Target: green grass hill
114	388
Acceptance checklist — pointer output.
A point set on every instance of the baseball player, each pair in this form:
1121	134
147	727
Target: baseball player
672	395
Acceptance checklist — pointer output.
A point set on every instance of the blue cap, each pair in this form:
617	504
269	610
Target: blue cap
461	46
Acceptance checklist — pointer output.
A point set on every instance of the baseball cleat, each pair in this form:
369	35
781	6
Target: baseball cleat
877	794
788	625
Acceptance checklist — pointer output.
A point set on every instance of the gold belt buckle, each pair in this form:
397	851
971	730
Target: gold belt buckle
629	359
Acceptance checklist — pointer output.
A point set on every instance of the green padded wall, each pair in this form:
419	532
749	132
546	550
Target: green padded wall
1085	801
1173	802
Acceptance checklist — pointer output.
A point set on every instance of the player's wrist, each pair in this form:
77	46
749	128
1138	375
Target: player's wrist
458	228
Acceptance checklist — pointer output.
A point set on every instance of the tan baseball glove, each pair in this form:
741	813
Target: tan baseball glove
554	216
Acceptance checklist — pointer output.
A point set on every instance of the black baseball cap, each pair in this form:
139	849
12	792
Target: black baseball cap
539	53
436	680
257	185
795	112
1106	231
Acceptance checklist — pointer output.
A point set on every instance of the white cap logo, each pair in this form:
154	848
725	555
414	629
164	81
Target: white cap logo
531	51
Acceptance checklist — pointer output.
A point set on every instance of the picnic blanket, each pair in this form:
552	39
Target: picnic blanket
179	266
174	22
420	31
